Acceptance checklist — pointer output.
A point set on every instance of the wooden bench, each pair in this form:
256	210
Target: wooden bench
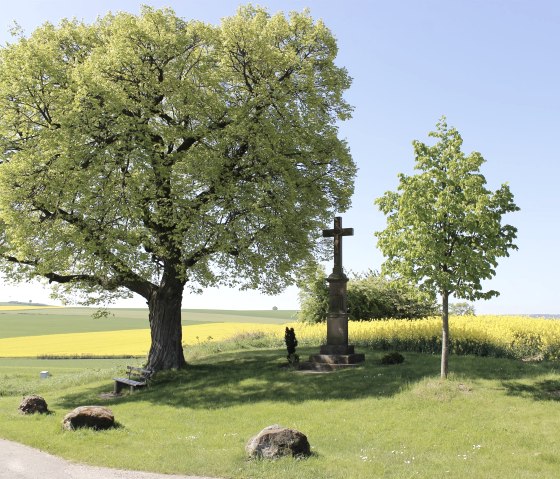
137	378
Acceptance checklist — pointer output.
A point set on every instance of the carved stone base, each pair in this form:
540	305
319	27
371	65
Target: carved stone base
333	357
343	359
337	349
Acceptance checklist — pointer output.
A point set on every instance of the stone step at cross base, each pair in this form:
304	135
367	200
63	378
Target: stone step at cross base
342	359
331	364
333	357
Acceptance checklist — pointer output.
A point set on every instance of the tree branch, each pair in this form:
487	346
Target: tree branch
124	275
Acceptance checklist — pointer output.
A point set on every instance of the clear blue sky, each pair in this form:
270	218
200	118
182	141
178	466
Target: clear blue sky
490	66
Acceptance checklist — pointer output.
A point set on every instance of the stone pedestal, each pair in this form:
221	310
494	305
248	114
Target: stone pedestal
337	353
335	356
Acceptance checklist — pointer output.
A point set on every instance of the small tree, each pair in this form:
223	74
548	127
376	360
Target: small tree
461	309
444	227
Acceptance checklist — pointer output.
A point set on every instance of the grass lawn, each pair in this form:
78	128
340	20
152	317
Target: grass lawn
494	418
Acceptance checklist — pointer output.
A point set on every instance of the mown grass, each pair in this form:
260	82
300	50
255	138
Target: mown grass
493	418
21	376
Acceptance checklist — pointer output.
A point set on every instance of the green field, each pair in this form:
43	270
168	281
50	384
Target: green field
494	418
38	322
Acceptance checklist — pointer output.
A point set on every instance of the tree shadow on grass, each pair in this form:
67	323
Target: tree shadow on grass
546	390
230	379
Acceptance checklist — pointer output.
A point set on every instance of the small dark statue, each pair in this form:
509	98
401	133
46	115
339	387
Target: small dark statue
291	343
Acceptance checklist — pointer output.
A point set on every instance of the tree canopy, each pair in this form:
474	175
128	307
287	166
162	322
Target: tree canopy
444	227
148	153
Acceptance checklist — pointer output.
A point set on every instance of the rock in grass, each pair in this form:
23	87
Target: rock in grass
275	441
94	417
32	404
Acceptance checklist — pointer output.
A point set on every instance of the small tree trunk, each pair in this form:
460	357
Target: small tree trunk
445	335
166	351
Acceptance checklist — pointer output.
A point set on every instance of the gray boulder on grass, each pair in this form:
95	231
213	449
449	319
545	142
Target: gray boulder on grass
276	441
94	417
32	404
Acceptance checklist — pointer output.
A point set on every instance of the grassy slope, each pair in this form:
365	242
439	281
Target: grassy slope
40	322
493	417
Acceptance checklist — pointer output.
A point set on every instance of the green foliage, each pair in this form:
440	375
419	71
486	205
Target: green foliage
313	296
140	143
392	358
432	345
145	154
370	297
444	227
461	309
102	313
528	345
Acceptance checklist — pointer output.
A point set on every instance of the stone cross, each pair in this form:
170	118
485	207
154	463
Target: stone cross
337	233
337	319
337	353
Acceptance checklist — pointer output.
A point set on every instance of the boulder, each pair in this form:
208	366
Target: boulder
94	417
32	404
276	441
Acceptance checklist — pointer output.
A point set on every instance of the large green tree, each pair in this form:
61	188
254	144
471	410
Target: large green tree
147	154
444	227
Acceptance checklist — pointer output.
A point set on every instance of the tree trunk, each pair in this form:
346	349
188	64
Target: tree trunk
166	351
445	335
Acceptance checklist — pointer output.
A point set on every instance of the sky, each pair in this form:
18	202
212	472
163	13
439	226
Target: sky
490	66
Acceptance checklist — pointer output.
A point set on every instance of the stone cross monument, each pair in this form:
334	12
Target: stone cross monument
337	320
337	353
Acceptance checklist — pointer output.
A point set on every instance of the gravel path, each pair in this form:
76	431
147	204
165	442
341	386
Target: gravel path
22	462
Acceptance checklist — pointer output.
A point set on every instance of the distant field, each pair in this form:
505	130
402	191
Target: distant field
40	331
134	342
11	307
39	321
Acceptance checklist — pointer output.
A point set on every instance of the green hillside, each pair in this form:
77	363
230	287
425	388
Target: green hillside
39	322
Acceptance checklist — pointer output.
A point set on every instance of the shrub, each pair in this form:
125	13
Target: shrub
392	358
314	297
527	345
370	297
461	309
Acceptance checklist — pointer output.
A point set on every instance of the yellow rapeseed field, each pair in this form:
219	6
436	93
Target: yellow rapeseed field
512	336
134	342
516	336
